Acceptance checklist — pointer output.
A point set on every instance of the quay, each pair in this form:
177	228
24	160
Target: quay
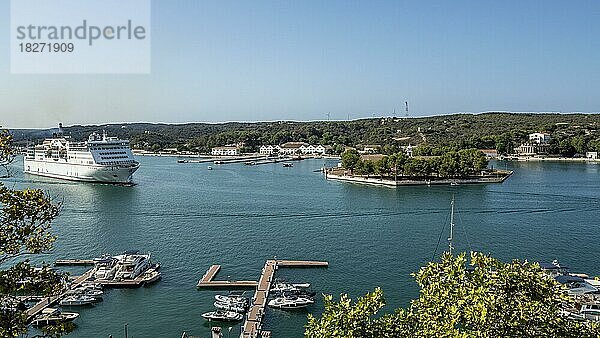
499	177
226	160
47	301
252	327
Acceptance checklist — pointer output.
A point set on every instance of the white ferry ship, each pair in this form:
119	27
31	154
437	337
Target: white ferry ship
101	159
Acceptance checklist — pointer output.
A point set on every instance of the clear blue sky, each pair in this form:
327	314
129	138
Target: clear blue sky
271	60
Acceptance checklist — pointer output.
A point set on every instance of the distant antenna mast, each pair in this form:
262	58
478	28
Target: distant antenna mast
406	104
328	116
451	225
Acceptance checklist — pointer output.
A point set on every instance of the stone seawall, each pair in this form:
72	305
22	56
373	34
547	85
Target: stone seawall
402	182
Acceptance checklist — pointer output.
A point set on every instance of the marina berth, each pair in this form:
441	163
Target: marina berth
130	265
240	308
234	299
51	316
296	297
285	286
285	303
77	300
225	316
129	269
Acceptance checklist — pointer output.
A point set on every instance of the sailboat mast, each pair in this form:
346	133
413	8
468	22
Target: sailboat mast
451	225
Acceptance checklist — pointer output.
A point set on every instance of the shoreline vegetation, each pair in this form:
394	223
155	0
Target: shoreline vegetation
447	166
569	134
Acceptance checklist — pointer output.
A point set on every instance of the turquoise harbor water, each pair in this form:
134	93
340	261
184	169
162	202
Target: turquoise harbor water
238	216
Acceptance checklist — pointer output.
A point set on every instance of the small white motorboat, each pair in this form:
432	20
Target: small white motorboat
151	276
290	303
51	316
83	291
77	300
230	307
233	300
209	168
225	316
285	286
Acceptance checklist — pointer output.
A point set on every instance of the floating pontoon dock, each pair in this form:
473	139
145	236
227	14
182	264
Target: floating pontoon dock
208	282
252	327
47	301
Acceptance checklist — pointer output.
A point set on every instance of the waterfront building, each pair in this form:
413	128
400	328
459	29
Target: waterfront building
537	144
292	148
226	151
539	138
295	148
532	148
269	150
592	155
315	150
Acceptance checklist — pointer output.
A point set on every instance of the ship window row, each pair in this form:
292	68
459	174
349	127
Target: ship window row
114	153
113	157
107	148
116	162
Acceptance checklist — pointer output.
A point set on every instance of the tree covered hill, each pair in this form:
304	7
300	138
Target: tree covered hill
503	131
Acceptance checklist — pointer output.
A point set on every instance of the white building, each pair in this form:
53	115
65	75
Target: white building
315	150
292	148
539	138
269	150
592	155
226	151
295	148
532	148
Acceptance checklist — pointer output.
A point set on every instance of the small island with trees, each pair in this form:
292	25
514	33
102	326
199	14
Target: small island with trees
430	166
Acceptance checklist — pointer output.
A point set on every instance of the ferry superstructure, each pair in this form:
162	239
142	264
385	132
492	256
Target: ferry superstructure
100	159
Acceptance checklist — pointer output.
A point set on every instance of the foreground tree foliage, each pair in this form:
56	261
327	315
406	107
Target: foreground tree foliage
25	220
7	153
486	298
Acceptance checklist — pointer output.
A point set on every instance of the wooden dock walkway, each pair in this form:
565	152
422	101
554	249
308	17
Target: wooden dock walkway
207	281
252	327
253	323
301	264
47	301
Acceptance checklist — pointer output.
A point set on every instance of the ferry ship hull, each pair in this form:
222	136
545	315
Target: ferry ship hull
116	174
